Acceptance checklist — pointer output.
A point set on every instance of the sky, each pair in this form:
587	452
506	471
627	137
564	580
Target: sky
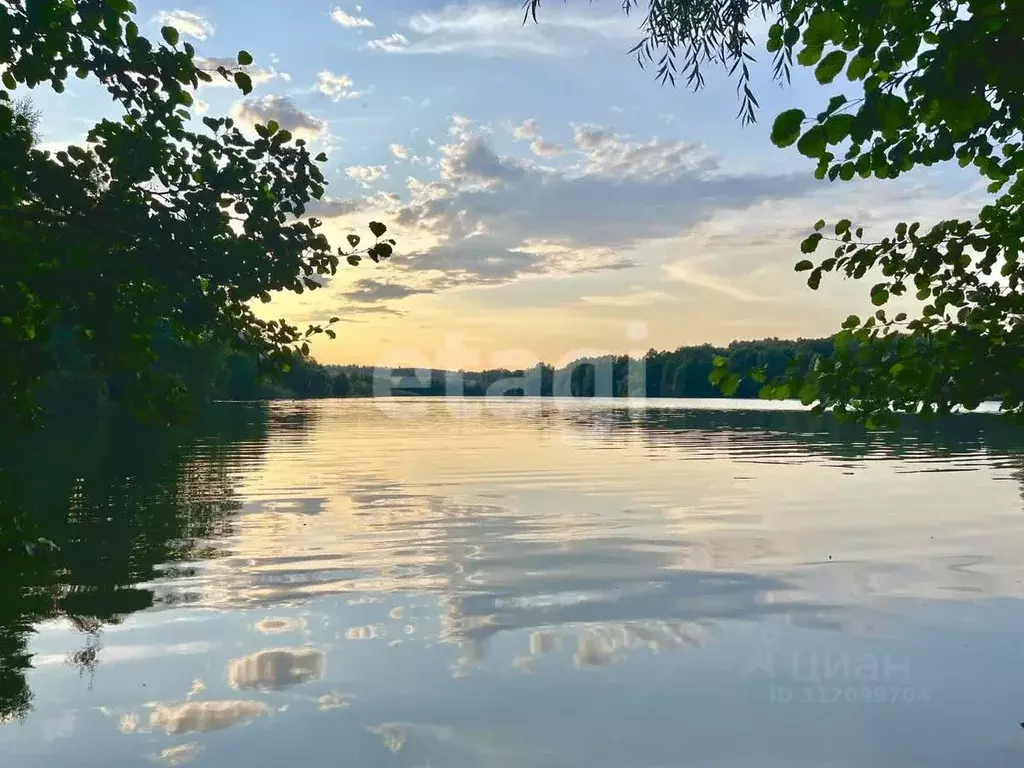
550	199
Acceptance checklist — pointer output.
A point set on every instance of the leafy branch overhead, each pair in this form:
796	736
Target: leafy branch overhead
159	220
931	81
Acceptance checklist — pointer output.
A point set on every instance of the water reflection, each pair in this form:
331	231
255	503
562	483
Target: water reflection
512	584
276	669
123	516
195	716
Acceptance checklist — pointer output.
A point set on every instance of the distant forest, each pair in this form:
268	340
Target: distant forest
208	372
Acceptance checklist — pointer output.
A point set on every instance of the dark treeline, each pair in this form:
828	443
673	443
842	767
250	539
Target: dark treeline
682	372
210	372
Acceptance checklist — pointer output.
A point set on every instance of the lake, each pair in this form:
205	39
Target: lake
519	583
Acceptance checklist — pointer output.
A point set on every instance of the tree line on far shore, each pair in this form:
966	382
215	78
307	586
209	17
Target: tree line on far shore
212	372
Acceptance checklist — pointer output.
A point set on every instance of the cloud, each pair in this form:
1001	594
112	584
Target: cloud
367	174
273	626
528	129
613	156
545	148
281	109
182	754
395	43
257	75
628	300
333	700
493	30
492	218
347	20
400	151
187	23
201	716
337	87
369	290
276	669
747	254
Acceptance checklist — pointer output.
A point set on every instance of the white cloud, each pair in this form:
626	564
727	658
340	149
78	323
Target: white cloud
276	669
628	300
333	700
544	148
528	129
615	156
494	30
187	23
337	87
492	218
182	754
366	174
347	20
395	43
273	626
201	716
257	75
282	110
400	151
747	254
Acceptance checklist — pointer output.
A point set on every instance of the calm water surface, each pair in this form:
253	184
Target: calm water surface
578	583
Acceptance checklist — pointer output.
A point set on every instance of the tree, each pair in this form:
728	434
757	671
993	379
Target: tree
340	385
935	80
160	224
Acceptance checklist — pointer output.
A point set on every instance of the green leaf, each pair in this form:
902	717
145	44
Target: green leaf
786	128
814	280
838	127
377	228
879	294
813	143
273	127
353	240
244	58
858	68
803	265
819	224
244	83
808	394
809	55
321	158
810	243
9	82
830	66
729	384
170	34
